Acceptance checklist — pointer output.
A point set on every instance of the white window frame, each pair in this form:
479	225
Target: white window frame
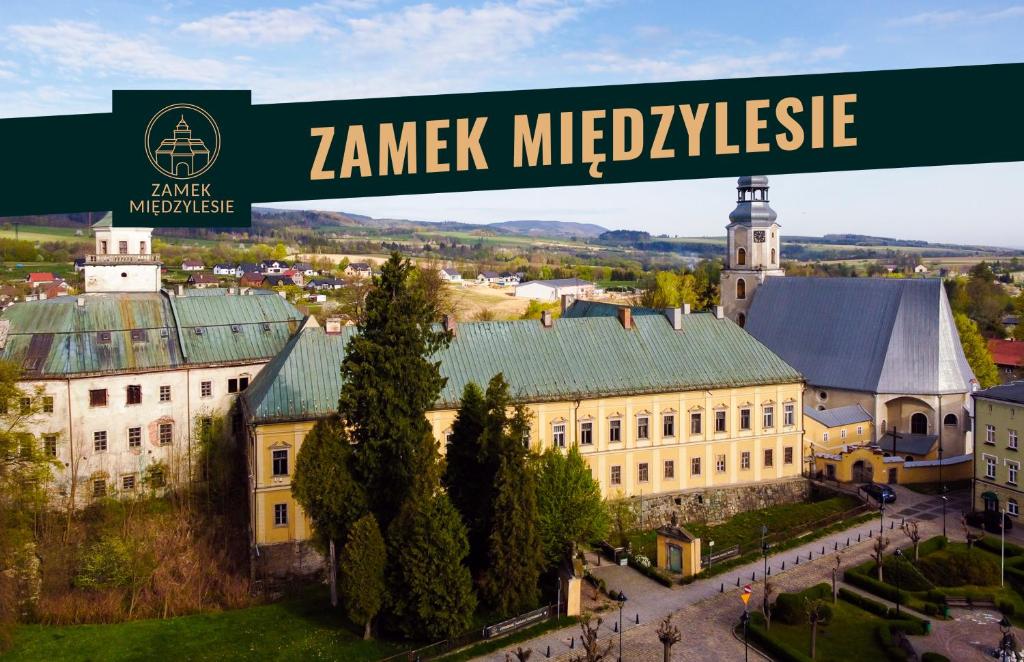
745	460
990	466
668	420
273	462
720	463
643	472
842	433
1012	468
615	475
824	436
721	416
1011	439
586	433
280	514
1012	508
643	428
990	434
670	469
138	442
788	415
695	463
745	413
558	435
614	430
768	417
97	440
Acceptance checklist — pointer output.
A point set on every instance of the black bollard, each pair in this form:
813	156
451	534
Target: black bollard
847	542
615	626
809	555
822	549
722	590
737	581
835	548
871	533
753	576
548	654
858	537
891	524
769	570
572	643
797	561
638	619
783	565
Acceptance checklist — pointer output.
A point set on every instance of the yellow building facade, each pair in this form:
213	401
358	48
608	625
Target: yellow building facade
646	442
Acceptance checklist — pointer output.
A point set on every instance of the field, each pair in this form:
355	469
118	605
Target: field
470	300
296	629
849	636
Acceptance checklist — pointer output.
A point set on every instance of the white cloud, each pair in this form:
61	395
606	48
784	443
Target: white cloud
83	48
258	27
956	16
785	60
437	36
7	70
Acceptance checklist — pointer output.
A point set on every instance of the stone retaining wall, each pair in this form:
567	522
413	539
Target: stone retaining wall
717	504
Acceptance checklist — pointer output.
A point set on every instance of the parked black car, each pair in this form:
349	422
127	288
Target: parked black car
880	493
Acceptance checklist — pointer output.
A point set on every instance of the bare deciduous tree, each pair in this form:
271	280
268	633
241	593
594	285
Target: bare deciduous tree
910	527
766	604
592	649
668	635
971	538
817	613
836	567
881	543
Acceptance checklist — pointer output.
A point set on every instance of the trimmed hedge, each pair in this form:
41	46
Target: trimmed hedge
776	650
789	607
901	572
930	602
651	573
991	544
929	546
867	604
959	567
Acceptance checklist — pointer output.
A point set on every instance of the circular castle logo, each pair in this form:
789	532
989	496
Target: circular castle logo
182	141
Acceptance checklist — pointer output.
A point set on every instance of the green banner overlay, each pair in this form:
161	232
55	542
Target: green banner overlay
200	158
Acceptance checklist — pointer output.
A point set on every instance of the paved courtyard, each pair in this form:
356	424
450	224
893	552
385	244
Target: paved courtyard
706	611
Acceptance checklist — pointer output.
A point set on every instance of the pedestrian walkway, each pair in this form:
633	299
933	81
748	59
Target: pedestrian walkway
651	602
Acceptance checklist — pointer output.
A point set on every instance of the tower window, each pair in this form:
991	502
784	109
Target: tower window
741	289
741	319
741	257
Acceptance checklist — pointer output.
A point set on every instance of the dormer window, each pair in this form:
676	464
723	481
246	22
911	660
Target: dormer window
138	335
103	337
199	330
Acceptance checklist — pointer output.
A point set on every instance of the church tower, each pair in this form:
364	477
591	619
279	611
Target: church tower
124	260
752	247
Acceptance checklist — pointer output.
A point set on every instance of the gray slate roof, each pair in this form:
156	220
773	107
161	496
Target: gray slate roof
910	444
876	335
1012	392
574	358
837	416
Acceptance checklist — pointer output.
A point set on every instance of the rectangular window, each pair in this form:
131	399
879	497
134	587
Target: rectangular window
642	427
134	394
745	419
558	435
824	437
165	393
122	247
1014	468
720	464
860	430
1011	507
695	423
586	433
990	467
526	438
695	466
1012	440
280	514
279	462
156	479
769	416
206	389
243	383
98	397
788	414
745	460
719	421
134	437
615	430
670	469
99	441
99	488
787	455
448	437
769	457
128	482
232	385
50	445
616	475
641	472
138	335
842	433
47	404
26	406
990	434
166	433
668	425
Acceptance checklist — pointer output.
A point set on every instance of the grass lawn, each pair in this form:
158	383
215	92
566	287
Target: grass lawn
849	636
294	629
744	529
11	271
936	488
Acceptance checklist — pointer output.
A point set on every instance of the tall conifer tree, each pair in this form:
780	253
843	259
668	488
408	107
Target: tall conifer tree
468	486
390	382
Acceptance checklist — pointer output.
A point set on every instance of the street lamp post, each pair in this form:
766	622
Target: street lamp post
899	555
744	619
1002	546
622	602
944	500
764	552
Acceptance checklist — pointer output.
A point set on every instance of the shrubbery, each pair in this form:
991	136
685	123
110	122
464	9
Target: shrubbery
789	607
957	567
901	572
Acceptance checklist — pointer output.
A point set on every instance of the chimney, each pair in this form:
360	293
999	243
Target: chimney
332	325
626	317
449	324
675	316
686	309
719	312
567	300
181	290
81	302
545	319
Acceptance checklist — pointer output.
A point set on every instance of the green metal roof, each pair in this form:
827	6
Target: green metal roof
575	358
57	337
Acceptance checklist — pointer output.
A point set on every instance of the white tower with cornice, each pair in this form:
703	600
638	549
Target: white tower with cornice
752	247
124	260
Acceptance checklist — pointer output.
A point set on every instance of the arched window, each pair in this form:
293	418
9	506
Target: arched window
741	289
741	319
741	256
773	256
950	420
918	424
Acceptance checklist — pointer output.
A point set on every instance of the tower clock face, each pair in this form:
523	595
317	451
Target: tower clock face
758	236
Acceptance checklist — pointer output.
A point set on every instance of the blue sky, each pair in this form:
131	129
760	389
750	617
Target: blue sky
66	57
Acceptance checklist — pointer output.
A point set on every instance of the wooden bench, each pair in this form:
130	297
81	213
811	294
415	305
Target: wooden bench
967	603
